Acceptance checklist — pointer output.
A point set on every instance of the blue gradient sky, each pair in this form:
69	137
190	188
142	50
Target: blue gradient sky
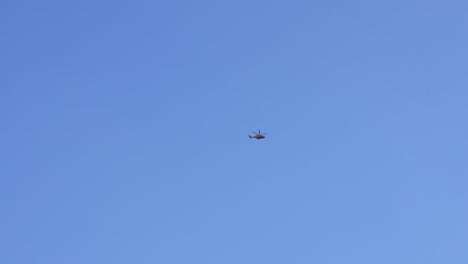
124	132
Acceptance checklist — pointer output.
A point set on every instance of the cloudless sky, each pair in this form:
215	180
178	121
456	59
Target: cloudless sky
124	132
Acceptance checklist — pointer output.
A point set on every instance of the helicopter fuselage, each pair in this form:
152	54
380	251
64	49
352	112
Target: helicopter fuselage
258	137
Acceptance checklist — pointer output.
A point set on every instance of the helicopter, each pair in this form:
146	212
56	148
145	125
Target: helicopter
258	135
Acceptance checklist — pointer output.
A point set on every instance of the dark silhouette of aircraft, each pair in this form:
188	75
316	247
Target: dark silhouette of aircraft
258	135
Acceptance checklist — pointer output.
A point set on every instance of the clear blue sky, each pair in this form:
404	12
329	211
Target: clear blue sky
124	132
